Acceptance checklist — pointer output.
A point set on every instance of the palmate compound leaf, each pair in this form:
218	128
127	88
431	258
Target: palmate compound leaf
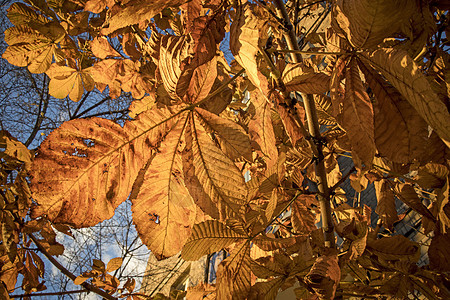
164	211
67	81
208	237
213	180
86	168
404	74
29	47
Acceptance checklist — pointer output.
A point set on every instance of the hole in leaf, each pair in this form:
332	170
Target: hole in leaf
89	142
154	218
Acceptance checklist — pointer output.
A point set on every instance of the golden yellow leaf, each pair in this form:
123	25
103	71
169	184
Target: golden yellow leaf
303	219
212	178
261	129
200	80
208	237
298	77
86	168
403	73
101	48
132	13
233	139
247	33
65	81
114	264
164	211
19	14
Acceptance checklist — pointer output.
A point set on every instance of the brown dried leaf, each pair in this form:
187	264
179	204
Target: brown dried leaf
400	133
299	77
324	276
395	247
385	203
438	252
408	195
357	115
367	23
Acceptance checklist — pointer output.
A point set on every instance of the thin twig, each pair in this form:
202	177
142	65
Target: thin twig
69	274
49	294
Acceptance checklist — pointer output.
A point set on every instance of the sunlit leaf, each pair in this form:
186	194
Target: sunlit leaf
164	211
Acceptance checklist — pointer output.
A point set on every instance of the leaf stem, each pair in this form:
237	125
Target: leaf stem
314	129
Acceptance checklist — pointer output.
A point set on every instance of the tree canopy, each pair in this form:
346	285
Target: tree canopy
243	115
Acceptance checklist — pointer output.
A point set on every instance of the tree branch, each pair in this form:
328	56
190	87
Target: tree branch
69	274
314	130
49	294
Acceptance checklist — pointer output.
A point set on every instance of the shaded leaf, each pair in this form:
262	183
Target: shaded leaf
208	237
324	276
395	247
385	203
233	274
298	77
367	23
400	133
403	73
